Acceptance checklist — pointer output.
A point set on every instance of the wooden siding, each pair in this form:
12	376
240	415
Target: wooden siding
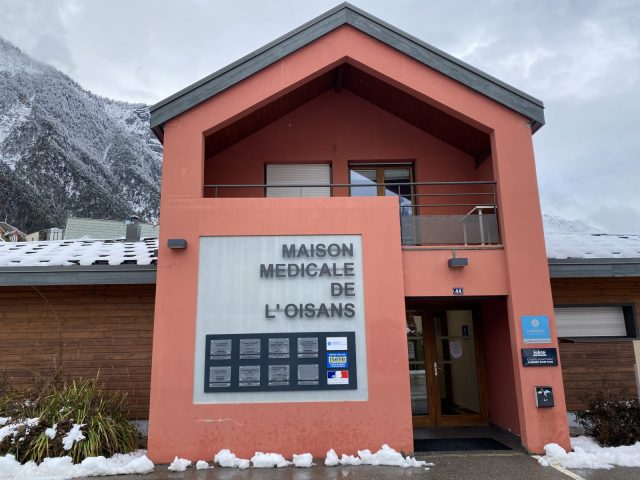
84	330
589	367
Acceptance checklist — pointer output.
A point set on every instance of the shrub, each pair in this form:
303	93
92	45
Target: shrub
611	422
40	417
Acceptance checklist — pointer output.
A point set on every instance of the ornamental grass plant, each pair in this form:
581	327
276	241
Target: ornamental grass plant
36	420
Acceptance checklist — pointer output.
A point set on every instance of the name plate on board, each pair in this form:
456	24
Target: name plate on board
539	357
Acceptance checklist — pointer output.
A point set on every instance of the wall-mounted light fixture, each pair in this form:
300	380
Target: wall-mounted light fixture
177	243
457	262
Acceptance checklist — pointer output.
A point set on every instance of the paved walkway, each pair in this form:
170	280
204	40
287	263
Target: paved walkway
448	466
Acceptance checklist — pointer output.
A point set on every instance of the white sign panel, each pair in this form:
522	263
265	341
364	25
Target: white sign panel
281	284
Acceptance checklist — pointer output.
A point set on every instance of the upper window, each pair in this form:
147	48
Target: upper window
289	180
595	321
383	180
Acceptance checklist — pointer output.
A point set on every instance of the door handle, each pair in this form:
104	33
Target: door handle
435	368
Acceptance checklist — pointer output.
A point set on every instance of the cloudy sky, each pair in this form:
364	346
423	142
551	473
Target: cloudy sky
581	57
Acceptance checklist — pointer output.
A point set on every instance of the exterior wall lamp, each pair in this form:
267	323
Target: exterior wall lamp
457	262
177	243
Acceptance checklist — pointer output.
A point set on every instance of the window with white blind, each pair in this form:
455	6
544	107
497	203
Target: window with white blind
289	179
596	321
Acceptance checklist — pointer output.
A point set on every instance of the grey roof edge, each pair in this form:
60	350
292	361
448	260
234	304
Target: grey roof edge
594	267
146	274
78	275
342	14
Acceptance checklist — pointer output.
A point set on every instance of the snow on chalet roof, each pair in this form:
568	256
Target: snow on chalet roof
62	253
562	245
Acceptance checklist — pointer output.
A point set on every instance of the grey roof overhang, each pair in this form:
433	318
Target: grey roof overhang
78	275
146	274
346	14
594	267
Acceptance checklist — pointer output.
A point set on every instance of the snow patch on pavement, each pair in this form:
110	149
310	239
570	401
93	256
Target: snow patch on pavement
269	460
331	458
304	460
63	468
385	456
227	459
588	454
202	465
179	464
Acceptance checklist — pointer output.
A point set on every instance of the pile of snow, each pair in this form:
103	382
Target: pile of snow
588	454
11	429
331	459
227	459
51	431
179	464
269	460
201	465
385	456
73	436
304	460
63	467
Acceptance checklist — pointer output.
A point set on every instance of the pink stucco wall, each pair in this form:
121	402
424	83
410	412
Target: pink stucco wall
177	426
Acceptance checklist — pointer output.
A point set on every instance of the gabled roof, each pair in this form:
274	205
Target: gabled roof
346	14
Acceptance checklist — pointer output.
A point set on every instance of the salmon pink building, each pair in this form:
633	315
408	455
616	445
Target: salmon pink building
351	248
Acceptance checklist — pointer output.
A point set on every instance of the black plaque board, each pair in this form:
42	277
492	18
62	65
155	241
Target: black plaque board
539	357
276	362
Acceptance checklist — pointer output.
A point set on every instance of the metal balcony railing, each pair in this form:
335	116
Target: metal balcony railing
431	213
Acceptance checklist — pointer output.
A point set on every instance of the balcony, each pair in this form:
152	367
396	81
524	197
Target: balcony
431	213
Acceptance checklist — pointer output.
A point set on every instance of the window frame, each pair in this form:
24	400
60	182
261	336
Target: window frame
380	167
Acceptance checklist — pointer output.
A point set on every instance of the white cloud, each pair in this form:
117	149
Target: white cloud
581	58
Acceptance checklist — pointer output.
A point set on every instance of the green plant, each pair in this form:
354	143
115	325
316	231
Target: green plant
611	422
63	404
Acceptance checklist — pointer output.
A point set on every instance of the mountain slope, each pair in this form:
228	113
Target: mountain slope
65	151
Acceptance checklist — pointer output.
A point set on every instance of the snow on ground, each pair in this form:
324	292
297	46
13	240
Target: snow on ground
385	456
179	464
12	428
588	454
331	459
304	460
227	459
350	460
388	456
63	467
202	465
51	431
269	460
73	436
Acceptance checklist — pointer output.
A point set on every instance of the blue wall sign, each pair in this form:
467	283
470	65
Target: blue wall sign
458	291
535	329
337	360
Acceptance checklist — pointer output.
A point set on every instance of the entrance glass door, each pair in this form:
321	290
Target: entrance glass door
445	373
417	368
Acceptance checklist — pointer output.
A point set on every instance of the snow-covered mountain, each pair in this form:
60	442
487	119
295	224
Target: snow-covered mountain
555	224
65	151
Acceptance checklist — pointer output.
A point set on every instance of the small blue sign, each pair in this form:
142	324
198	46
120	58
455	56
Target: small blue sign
337	360
465	330
458	291
535	329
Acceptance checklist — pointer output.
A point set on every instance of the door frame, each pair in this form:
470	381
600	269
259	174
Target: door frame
435	418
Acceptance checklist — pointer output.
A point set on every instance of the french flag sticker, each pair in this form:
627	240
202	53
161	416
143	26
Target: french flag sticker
338	377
